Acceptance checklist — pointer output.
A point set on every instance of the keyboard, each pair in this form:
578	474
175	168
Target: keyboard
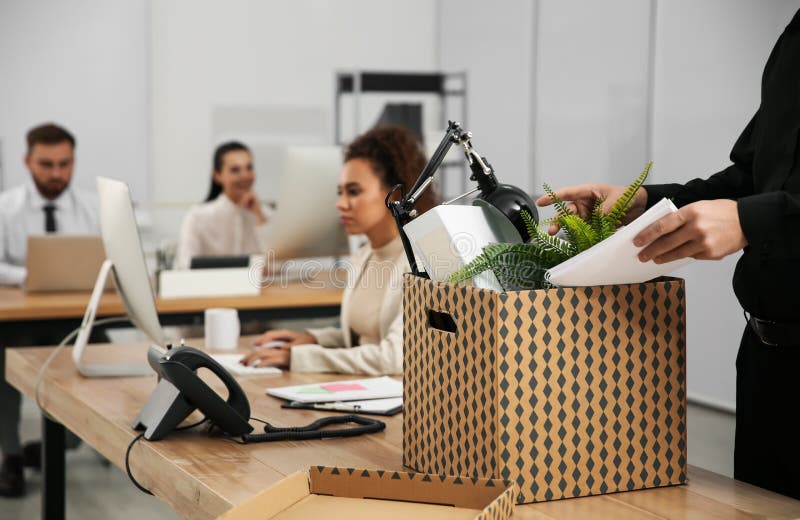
231	363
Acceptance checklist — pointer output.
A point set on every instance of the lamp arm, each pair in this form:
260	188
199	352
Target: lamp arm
454	135
403	209
482	171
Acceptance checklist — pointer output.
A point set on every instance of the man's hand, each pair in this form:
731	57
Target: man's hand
706	230
250	202
581	200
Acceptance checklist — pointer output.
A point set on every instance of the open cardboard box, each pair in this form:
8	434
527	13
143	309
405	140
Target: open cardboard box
568	391
347	493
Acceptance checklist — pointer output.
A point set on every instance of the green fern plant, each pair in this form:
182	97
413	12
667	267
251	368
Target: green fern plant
623	204
523	266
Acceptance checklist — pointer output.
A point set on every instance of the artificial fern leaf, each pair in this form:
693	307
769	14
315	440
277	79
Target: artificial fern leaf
623	204
600	222
570	239
560	247
479	264
584	236
521	267
596	217
515	281
561	206
530	224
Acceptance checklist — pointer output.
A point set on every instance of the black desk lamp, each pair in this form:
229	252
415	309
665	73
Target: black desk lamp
508	200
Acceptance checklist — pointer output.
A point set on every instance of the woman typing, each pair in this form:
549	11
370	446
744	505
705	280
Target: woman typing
370	339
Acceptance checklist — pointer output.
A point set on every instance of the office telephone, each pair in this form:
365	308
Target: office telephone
180	392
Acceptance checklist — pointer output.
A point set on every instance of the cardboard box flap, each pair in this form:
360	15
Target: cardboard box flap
348	493
276	498
471	493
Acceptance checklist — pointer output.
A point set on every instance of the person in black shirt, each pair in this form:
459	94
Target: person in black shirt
752	205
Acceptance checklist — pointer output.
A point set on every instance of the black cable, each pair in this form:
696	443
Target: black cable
134	441
315	430
65	341
242	441
128	465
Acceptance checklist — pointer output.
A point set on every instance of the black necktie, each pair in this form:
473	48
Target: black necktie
49	218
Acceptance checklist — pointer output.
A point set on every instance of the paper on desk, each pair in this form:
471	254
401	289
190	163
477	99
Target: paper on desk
360	389
614	260
377	406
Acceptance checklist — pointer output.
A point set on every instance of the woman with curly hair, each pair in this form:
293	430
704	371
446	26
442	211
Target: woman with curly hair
370	339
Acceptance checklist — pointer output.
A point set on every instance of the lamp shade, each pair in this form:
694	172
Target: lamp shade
510	201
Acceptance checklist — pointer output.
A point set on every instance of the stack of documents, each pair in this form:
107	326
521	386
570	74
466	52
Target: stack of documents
377	395
615	260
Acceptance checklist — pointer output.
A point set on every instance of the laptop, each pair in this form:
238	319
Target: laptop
64	263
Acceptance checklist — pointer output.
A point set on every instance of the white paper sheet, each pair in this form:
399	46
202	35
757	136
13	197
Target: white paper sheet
351	390
376	406
614	260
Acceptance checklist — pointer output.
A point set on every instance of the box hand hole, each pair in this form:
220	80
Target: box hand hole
441	321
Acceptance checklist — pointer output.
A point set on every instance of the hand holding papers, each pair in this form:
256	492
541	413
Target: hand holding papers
614	260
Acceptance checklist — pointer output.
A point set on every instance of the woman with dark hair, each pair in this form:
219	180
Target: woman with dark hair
232	220
370	339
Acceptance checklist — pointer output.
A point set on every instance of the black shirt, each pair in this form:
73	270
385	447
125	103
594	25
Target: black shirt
764	179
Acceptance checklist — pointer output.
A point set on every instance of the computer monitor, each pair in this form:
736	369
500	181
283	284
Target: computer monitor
125	258
219	261
305	223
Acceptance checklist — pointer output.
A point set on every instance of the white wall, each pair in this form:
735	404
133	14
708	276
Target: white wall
709	57
82	64
218	61
592	91
493	42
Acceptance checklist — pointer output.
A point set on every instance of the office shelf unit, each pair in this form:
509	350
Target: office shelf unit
446	87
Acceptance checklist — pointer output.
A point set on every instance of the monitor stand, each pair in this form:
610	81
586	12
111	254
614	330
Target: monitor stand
106	369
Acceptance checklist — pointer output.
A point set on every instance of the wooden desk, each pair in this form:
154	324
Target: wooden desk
20	310
201	477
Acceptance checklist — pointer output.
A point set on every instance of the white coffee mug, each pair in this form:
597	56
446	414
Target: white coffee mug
222	329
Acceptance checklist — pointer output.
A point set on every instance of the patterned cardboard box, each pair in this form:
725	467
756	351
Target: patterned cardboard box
568	392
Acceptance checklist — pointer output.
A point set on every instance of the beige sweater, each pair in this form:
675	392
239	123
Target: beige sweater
335	351
219	227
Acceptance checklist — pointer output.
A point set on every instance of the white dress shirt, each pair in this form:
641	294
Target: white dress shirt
219	227
22	214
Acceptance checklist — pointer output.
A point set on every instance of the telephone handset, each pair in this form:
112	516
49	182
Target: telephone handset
180	392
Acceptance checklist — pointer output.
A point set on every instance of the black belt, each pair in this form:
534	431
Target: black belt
776	334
